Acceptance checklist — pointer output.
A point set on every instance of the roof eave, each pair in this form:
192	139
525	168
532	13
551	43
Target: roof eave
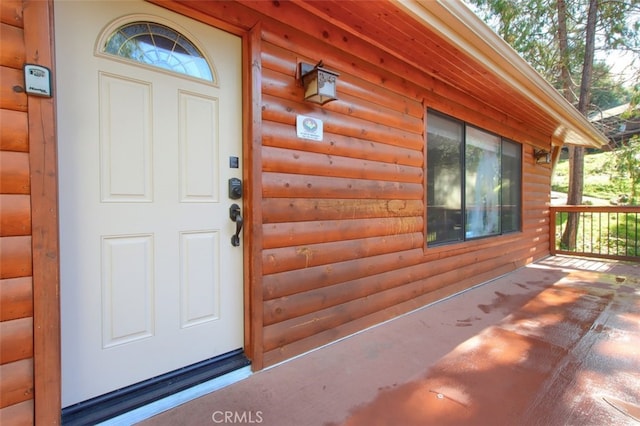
455	22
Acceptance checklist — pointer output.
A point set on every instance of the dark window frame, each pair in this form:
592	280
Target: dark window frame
516	206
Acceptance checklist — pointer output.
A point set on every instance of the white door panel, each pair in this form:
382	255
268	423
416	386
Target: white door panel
149	280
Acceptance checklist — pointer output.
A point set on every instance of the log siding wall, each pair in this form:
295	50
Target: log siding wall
343	242
16	292
336	231
29	326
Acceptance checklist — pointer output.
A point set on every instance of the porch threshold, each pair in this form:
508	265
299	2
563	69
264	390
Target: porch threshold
160	390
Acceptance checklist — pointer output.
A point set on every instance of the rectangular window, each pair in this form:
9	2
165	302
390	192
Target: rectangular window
444	179
482	180
511	184
473	182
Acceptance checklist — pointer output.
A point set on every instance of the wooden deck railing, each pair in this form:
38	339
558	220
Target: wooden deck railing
611	232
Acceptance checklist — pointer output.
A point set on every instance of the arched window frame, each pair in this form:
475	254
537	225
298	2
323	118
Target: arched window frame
116	25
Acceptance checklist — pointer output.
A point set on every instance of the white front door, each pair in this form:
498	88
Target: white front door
150	281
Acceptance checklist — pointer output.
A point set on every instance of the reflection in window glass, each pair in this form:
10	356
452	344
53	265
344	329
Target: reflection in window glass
444	181
482	177
511	178
159	46
490	192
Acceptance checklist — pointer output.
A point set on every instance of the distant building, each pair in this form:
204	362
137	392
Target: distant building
616	128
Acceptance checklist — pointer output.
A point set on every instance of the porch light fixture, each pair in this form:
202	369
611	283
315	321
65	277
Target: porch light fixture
542	156
319	83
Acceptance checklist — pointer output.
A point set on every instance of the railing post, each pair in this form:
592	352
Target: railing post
552	231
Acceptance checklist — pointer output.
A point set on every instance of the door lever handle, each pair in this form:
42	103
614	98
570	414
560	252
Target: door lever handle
235	216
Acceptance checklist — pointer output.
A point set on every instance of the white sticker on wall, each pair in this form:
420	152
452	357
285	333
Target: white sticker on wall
309	128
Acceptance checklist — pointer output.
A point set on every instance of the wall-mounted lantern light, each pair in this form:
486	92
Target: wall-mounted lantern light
319	83
542	156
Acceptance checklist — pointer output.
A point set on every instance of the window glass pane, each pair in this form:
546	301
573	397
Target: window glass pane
444	185
511	178
482	183
159	46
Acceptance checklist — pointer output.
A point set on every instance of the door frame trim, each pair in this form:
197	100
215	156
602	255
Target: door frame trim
45	251
252	171
39	41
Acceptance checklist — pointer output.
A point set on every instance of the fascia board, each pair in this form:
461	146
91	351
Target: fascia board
455	22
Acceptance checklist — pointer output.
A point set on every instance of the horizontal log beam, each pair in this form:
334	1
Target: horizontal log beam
11	12
285	61
284	185
15	131
12	54
300	257
284	111
17	382
281	160
16	340
16	298
284	136
16	257
12	94
301	280
14	173
287	87
276	210
303	233
15	215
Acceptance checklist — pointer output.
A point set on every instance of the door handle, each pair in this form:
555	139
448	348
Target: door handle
235	216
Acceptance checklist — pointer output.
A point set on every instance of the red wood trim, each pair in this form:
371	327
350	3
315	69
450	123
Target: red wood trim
603	209
425	174
253	202
38	22
552	231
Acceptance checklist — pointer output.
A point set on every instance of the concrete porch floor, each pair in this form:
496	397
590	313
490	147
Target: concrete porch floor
553	343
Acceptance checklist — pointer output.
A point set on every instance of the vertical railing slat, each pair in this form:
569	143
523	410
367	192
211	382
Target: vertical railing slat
599	231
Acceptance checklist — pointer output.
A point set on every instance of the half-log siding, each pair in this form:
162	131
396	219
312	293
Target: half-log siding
343	234
339	215
29	310
16	300
335	240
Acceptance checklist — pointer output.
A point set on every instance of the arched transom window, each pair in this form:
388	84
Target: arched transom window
159	46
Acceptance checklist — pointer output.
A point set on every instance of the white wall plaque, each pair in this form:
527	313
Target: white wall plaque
37	80
309	128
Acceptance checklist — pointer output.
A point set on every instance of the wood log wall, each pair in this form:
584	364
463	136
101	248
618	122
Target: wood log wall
16	299
341	237
343	219
29	308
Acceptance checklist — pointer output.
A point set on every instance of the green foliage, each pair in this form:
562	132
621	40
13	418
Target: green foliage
604	233
606	93
628	166
531	28
603	179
